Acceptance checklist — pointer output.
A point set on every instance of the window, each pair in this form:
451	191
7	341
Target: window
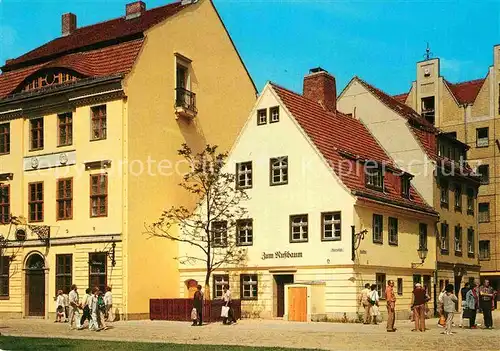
405	187
64	277
427	284
444	238
482	137
98	270
98	195
298	228
378	224
458	240
244	175
220	281
484	173
4	203
98	122
36	134
444	193
4	275
330	223
458	197
470	201
380	282
428	111
261	116
35	202
422	236
248	286
484	249
374	176
484	212
65	129
279	170
470	242
393	231
245	232
400	286
65	199
4	138
274	114
219	234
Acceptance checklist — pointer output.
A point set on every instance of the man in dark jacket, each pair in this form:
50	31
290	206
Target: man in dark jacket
198	304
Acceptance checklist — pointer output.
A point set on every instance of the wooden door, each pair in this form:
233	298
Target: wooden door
35	292
297	304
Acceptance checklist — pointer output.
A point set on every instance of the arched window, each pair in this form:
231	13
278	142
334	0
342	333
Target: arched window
35	262
47	78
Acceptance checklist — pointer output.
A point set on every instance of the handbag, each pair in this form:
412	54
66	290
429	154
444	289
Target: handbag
194	314
224	312
467	313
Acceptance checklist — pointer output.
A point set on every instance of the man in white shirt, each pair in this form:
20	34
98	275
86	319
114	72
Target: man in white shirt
226	297
74	306
108	301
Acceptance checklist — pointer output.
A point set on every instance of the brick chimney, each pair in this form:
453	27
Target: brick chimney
68	23
319	85
134	9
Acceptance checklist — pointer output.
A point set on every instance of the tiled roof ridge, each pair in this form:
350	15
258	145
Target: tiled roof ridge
477	80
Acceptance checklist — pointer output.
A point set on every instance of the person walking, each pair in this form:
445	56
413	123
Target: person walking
363	301
226	297
463	302
66	304
471	306
101	310
391	306
486	303
74	306
449	300
442	319
108	301
418	300
198	305
60	314
374	301
94	308
86	307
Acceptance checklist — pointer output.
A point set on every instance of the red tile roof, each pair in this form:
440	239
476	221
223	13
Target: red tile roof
336	135
401	97
466	92
103	62
103	33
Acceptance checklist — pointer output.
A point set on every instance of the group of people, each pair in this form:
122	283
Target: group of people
96	308
227	312
474	298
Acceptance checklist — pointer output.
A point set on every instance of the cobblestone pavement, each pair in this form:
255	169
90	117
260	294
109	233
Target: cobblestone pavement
327	336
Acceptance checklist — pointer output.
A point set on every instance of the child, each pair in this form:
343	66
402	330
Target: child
60	313
449	300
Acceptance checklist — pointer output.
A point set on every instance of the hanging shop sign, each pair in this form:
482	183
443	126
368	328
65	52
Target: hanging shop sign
281	254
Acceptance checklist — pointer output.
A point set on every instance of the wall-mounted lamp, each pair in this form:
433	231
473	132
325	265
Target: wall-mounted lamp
422	254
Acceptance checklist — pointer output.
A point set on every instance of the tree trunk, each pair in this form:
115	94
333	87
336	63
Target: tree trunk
207	286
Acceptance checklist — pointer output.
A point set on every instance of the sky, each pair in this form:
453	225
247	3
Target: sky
379	41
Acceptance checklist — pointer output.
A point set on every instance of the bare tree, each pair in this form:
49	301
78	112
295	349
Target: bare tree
210	229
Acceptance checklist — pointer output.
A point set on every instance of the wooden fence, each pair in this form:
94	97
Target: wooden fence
180	309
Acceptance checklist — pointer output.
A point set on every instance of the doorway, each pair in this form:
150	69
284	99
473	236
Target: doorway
280	281
35	286
458	284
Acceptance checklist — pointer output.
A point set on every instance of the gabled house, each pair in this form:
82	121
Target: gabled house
90	125
441	174
329	210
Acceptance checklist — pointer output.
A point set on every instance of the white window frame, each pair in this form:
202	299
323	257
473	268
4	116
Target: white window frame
219	283
249	286
274	114
458	240
299	224
393	225
331	226
279	169
244	229
261	116
244	179
219	233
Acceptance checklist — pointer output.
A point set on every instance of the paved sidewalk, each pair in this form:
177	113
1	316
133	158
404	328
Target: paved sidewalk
327	336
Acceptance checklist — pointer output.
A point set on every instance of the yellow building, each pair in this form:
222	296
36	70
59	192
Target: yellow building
308	200
90	124
469	111
447	184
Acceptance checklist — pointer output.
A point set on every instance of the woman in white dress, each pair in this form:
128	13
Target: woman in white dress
374	299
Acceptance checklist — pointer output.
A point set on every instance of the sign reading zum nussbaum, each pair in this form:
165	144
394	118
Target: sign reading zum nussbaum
281	254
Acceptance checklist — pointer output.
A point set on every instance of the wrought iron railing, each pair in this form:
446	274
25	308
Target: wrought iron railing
185	99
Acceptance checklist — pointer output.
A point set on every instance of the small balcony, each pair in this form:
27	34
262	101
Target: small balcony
185	103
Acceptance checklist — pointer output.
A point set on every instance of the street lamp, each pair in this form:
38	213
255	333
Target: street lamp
422	254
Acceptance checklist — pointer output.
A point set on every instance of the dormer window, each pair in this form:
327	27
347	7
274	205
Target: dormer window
374	176
48	78
405	186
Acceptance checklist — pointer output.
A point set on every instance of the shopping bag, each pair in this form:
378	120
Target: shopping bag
442	320
194	314
224	312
